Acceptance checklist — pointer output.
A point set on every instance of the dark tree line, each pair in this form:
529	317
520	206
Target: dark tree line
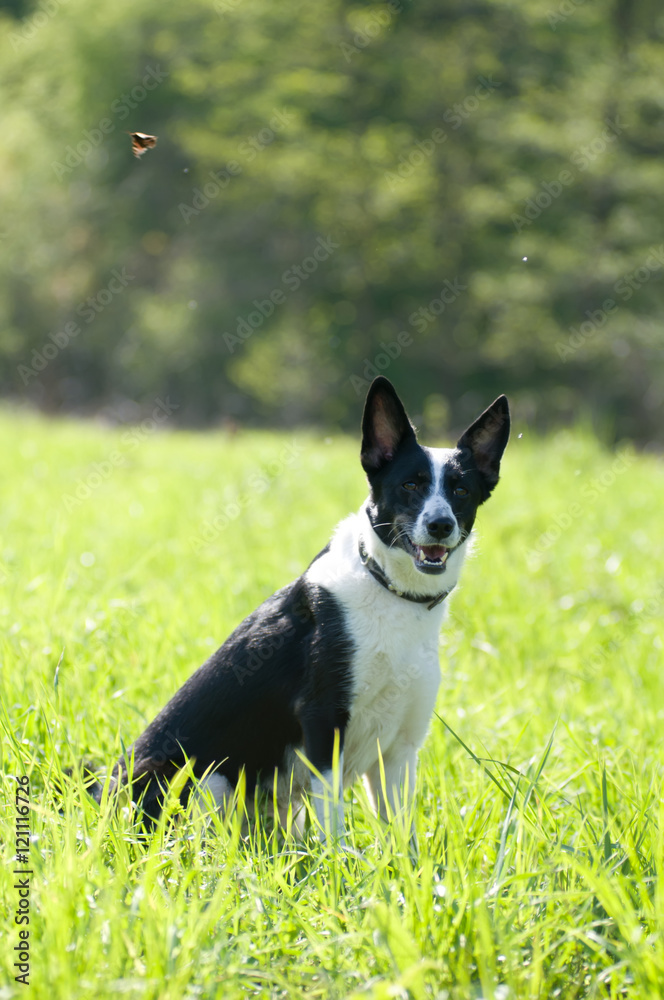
466	196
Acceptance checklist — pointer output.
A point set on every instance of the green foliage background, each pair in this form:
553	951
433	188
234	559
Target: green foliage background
330	113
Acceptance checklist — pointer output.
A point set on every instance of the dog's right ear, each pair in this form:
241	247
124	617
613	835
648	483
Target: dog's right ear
385	425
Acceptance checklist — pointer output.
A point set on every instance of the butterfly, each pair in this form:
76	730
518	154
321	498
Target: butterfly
140	142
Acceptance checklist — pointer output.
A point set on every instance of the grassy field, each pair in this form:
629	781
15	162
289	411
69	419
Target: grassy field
127	556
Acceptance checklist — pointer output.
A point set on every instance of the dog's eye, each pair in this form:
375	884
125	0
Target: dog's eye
410	485
460	491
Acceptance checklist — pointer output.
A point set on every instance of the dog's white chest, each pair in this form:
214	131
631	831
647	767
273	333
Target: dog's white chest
395	668
396	675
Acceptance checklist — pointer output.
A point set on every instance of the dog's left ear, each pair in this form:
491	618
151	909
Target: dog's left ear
385	425
487	438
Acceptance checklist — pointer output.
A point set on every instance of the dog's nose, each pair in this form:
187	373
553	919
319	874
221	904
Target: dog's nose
440	527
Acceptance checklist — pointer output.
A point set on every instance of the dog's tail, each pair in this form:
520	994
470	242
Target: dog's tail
95	783
144	784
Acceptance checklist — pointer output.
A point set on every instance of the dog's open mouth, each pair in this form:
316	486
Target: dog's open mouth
432	555
429	557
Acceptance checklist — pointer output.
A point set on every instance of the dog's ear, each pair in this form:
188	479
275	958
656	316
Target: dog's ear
385	425
487	438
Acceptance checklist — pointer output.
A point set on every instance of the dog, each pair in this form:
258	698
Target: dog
335	676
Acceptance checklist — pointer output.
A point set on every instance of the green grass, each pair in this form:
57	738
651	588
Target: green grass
540	844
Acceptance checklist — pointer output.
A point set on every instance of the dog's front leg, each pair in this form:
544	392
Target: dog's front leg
328	795
323	747
391	783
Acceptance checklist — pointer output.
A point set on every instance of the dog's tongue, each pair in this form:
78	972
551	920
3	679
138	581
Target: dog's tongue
435	553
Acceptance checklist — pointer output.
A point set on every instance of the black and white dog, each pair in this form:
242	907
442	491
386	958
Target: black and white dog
344	660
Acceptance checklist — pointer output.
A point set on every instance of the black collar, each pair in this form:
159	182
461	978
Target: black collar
378	574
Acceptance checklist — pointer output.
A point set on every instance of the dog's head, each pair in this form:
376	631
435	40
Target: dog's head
424	500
